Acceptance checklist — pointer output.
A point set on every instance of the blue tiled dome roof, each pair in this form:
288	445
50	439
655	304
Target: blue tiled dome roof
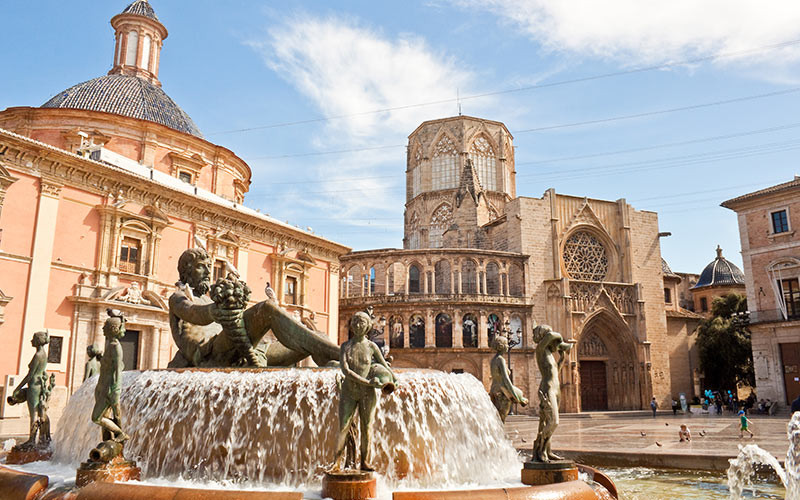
141	8
126	96
720	272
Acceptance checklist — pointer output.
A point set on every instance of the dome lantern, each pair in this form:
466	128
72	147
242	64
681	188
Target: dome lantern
139	36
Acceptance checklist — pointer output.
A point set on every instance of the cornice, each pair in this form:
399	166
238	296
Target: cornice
59	166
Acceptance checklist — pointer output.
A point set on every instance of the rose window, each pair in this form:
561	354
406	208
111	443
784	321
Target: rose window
585	257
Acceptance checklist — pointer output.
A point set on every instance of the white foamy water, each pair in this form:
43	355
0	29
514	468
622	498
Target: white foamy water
279	427
751	457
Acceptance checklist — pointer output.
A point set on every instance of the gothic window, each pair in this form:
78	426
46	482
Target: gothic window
444	167
133	43
440	220
442	271
492	279
469	277
129	254
483	158
413	279
585	258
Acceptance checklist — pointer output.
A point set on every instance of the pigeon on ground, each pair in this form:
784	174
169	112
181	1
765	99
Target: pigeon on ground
658	444
644	434
666	423
524	440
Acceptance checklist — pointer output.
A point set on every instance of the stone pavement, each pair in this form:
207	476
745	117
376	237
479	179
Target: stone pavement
609	439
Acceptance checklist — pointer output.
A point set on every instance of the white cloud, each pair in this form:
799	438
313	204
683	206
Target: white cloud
647	31
345	68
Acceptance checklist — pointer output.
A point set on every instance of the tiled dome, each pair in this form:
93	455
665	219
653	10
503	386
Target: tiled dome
141	8
720	272
126	96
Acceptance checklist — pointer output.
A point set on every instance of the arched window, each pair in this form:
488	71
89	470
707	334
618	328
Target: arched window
493	327
483	158
133	45
396	276
444	167
442	269
353	281
516	278
395	332
444	330
369	283
585	257
413	279
416	331
469	330
515	342
441	220
146	41
469	277
492	279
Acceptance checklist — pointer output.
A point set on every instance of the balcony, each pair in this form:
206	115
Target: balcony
771	316
416	298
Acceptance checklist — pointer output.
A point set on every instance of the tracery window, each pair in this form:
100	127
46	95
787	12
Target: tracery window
585	257
483	158
440	220
413	232
416	181
444	172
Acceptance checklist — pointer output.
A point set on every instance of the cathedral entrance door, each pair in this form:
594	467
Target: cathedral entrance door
594	389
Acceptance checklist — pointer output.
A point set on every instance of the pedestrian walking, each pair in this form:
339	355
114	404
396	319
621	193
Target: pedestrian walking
744	424
653	406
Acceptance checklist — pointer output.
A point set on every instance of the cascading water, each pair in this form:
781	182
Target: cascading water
750	457
279	426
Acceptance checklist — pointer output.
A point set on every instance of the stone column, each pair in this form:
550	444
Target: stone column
425	281
452	282
430	329
408	279
407	331
483	332
459	283
458	327
433	280
483	282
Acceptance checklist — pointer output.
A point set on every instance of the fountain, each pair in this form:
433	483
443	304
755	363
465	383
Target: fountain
207	425
751	458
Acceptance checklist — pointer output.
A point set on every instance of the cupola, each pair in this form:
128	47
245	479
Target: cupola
139	36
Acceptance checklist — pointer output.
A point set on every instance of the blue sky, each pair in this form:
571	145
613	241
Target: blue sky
248	71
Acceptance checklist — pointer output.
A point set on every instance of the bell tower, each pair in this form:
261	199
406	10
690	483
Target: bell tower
139	36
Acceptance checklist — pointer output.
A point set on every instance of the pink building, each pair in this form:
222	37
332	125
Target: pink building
101	189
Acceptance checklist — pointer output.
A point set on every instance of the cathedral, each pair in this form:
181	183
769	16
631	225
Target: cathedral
479	261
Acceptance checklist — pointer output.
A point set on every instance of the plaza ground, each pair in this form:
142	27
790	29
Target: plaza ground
615	438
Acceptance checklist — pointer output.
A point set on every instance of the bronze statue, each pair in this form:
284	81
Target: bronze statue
92	366
109	383
36	394
364	370
503	391
548	344
222	334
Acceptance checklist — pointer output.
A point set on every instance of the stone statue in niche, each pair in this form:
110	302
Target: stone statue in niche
548	345
219	331
34	389
92	366
364	370
503	392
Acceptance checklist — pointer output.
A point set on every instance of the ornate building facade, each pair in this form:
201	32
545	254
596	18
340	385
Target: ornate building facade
479	260
768	219
102	188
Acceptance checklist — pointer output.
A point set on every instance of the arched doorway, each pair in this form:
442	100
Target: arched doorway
607	366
